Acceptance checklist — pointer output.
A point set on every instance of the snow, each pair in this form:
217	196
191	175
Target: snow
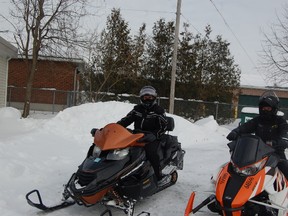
42	151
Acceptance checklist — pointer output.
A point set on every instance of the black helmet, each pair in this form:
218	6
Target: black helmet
148	96
268	99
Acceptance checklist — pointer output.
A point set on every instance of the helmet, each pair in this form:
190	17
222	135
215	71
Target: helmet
148	96
268	99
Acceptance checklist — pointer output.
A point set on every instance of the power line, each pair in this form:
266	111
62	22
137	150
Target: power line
188	21
148	11
240	44
136	10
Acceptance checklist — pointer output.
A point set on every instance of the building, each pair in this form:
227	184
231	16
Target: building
248	96
7	51
55	83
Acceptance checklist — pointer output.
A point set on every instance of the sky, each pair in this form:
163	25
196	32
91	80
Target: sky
241	23
44	150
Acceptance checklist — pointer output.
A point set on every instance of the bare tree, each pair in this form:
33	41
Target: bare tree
275	50
46	27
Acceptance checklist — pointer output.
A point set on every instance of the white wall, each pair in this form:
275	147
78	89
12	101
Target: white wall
7	50
3	81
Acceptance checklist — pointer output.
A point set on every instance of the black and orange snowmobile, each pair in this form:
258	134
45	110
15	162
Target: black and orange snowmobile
116	172
250	184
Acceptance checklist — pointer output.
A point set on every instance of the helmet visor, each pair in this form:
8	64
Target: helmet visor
267	108
148	97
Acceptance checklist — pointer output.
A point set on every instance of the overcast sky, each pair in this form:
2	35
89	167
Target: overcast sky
242	23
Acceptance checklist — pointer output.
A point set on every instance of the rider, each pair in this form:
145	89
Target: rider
270	127
149	117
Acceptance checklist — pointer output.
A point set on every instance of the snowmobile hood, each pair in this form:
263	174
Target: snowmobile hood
114	136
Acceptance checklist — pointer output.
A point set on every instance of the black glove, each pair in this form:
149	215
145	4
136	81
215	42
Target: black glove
279	145
147	138
233	135
93	131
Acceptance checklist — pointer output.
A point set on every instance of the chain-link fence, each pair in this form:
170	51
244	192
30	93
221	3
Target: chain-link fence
42	99
189	109
54	101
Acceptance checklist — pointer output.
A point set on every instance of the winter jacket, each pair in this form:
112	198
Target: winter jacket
274	131
151	119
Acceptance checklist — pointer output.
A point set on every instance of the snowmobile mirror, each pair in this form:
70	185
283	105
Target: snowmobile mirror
93	131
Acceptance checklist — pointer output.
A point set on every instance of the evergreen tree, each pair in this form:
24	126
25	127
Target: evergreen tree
158	65
207	67
186	65
117	59
114	60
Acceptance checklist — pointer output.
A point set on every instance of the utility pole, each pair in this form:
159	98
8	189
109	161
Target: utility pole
174	60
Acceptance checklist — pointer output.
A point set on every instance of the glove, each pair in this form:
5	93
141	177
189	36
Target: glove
279	145
147	138
93	131
233	135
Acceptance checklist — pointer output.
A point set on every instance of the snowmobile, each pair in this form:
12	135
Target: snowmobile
250	184
116	173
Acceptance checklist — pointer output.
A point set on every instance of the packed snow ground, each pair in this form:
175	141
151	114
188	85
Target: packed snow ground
42	151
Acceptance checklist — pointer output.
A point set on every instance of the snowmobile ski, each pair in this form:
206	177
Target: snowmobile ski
43	207
189	208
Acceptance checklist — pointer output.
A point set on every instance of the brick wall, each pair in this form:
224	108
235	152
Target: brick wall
56	76
281	93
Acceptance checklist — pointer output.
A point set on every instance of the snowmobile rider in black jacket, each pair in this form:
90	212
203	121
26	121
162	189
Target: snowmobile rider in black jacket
148	117
270	127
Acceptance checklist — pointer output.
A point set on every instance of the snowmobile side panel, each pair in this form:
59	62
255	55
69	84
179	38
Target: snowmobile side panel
114	136
139	189
93	199
221	184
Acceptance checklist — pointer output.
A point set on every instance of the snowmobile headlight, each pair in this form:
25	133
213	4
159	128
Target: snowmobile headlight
96	151
117	154
250	169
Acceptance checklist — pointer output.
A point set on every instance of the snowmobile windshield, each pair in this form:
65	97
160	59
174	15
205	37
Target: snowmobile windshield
249	149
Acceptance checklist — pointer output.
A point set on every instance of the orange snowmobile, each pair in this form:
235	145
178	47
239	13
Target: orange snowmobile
116	172
249	185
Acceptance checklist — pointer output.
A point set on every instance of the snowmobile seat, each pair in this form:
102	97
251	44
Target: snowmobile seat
168	142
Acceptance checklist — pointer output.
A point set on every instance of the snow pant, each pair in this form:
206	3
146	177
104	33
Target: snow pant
152	155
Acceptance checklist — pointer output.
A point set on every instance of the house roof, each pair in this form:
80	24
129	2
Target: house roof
257	91
78	61
7	49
